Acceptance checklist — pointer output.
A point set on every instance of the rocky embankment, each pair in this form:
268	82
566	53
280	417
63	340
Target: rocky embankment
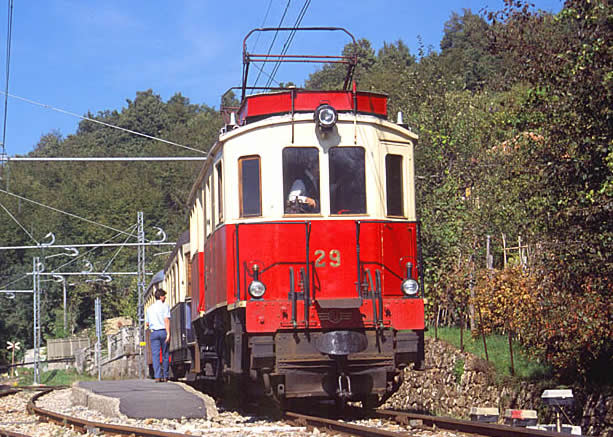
453	382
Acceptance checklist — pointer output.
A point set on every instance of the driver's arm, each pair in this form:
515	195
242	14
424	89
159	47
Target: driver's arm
297	191
308	201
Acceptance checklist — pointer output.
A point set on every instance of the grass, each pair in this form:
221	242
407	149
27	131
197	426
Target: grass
458	370
53	377
498	353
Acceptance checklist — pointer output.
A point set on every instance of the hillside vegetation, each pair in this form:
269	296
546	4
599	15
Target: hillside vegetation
514	118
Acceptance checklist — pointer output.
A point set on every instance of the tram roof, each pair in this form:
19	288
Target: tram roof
258	106
157	278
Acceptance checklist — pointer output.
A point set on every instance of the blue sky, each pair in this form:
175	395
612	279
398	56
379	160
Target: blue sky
86	55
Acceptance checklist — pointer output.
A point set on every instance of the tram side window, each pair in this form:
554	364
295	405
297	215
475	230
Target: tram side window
301	180
209	207
393	185
203	227
219	172
250	192
347	180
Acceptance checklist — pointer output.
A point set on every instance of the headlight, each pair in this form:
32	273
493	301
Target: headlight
410	287
257	289
326	116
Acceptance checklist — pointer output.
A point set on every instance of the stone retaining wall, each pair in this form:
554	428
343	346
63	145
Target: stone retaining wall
447	388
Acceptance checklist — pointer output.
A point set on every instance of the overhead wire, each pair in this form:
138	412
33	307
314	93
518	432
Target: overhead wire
119	249
9	36
62	212
93	120
18	224
4	286
268	75
273	40
289	40
257	39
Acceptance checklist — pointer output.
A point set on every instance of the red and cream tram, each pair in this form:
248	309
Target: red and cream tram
303	256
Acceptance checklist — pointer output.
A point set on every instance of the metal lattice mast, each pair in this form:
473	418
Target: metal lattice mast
98	316
141	288
36	310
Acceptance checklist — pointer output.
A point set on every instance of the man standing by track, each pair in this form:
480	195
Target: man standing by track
158	321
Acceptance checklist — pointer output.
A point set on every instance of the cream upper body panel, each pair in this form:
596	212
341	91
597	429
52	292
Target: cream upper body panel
268	138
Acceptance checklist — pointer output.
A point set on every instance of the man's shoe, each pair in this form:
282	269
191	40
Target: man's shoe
159	379
163	379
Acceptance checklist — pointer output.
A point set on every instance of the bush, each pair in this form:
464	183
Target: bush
570	329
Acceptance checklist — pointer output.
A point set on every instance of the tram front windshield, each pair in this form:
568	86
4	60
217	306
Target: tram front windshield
347	180
301	180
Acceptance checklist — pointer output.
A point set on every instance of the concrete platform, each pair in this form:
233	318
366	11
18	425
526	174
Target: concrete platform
143	398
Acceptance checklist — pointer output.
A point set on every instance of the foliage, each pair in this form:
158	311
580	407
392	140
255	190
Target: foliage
464	52
506	299
566	61
571	334
575	331
458	370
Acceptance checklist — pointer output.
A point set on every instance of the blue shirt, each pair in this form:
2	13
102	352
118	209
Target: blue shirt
156	314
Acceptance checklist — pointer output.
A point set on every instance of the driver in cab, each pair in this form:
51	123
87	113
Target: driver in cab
303	197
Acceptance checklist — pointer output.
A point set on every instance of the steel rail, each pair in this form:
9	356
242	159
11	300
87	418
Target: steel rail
7	433
8	392
342	427
448	423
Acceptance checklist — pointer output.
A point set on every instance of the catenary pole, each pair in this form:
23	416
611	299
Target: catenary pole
141	289
36	310
98	317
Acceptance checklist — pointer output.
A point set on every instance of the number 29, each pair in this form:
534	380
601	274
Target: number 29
334	256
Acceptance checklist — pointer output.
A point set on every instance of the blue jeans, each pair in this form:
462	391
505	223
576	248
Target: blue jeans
158	342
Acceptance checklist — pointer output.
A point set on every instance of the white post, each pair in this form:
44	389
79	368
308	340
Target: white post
64	295
98	317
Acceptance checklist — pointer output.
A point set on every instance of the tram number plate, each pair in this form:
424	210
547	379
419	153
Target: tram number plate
333	258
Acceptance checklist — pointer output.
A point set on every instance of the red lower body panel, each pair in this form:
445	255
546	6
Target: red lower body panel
269	316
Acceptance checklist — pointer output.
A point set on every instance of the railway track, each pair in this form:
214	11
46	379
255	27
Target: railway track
405	424
415	421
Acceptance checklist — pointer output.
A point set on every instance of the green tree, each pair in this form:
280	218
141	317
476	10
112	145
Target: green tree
464	51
